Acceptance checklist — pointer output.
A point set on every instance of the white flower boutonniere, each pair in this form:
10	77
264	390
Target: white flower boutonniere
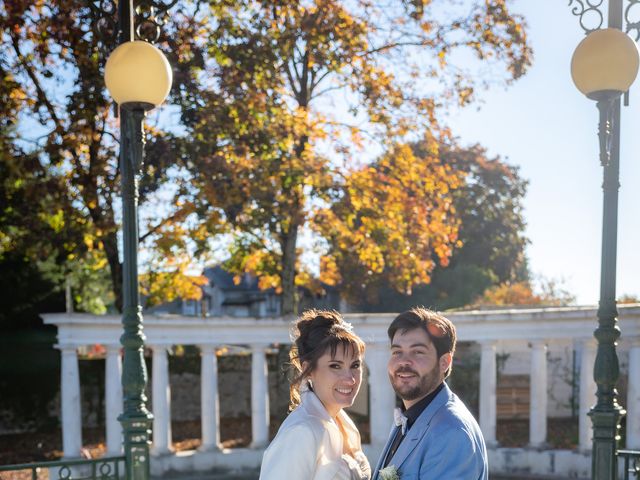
389	473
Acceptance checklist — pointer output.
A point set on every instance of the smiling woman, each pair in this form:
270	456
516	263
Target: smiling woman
327	359
336	379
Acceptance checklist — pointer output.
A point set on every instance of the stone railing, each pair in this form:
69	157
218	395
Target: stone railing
494	331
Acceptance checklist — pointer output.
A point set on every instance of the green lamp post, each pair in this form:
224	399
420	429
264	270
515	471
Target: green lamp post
138	77
603	67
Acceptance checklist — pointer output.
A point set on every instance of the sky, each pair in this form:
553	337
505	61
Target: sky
544	125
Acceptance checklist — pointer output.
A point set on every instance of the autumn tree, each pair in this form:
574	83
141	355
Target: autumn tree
276	100
492	231
549	292
53	90
38	223
485	206
393	225
627	299
290	93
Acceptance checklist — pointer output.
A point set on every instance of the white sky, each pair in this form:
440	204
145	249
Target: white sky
545	126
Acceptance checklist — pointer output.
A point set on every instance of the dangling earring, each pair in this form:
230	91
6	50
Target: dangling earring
305	385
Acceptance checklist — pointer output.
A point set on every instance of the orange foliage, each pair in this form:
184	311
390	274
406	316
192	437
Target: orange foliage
628	299
519	293
165	286
522	293
395	221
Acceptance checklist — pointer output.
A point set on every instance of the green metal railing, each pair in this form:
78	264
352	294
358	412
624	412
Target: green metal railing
631	463
106	468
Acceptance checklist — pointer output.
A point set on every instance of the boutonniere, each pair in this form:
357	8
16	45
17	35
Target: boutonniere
389	473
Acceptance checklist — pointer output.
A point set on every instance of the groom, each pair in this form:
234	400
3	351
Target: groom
435	437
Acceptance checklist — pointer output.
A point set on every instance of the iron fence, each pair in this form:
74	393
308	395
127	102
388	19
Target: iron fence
106	468
631	463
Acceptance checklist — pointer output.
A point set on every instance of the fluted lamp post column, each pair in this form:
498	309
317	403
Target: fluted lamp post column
603	67
138	77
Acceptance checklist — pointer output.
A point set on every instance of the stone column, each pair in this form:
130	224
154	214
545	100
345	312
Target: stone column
259	397
113	399
209	403
488	383
587	393
70	401
633	397
538	395
382	398
161	394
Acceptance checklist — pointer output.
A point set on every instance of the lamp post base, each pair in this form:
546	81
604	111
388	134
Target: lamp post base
606	426
136	432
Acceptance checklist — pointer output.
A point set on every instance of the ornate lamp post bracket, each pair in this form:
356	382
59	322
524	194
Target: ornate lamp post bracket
591	18
151	16
112	21
632	18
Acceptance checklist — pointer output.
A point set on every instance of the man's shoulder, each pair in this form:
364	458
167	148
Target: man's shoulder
455	413
454	424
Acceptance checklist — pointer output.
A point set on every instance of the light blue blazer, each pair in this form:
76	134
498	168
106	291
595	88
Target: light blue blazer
444	443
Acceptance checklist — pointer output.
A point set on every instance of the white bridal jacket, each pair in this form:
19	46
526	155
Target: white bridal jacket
309	446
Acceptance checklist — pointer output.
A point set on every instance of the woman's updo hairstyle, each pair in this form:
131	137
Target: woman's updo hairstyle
314	333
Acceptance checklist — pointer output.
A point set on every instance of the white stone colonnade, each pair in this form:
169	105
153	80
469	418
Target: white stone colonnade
209	400
490	329
113	400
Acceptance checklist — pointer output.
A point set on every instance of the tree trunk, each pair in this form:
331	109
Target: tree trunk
110	242
289	242
103	219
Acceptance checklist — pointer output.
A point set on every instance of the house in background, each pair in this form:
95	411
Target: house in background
223	298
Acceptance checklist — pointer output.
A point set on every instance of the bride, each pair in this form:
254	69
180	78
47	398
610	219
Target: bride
318	441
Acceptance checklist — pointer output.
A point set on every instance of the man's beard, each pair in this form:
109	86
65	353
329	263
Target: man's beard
426	384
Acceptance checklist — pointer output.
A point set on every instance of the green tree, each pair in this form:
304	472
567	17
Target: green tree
38	222
289	92
492	230
491	213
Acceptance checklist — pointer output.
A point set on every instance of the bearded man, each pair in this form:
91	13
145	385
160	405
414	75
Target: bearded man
435	436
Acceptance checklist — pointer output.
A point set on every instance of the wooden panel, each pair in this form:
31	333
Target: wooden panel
512	397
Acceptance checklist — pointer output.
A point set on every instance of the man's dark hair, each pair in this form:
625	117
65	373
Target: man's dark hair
440	330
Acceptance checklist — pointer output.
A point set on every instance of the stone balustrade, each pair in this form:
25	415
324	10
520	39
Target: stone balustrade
492	330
